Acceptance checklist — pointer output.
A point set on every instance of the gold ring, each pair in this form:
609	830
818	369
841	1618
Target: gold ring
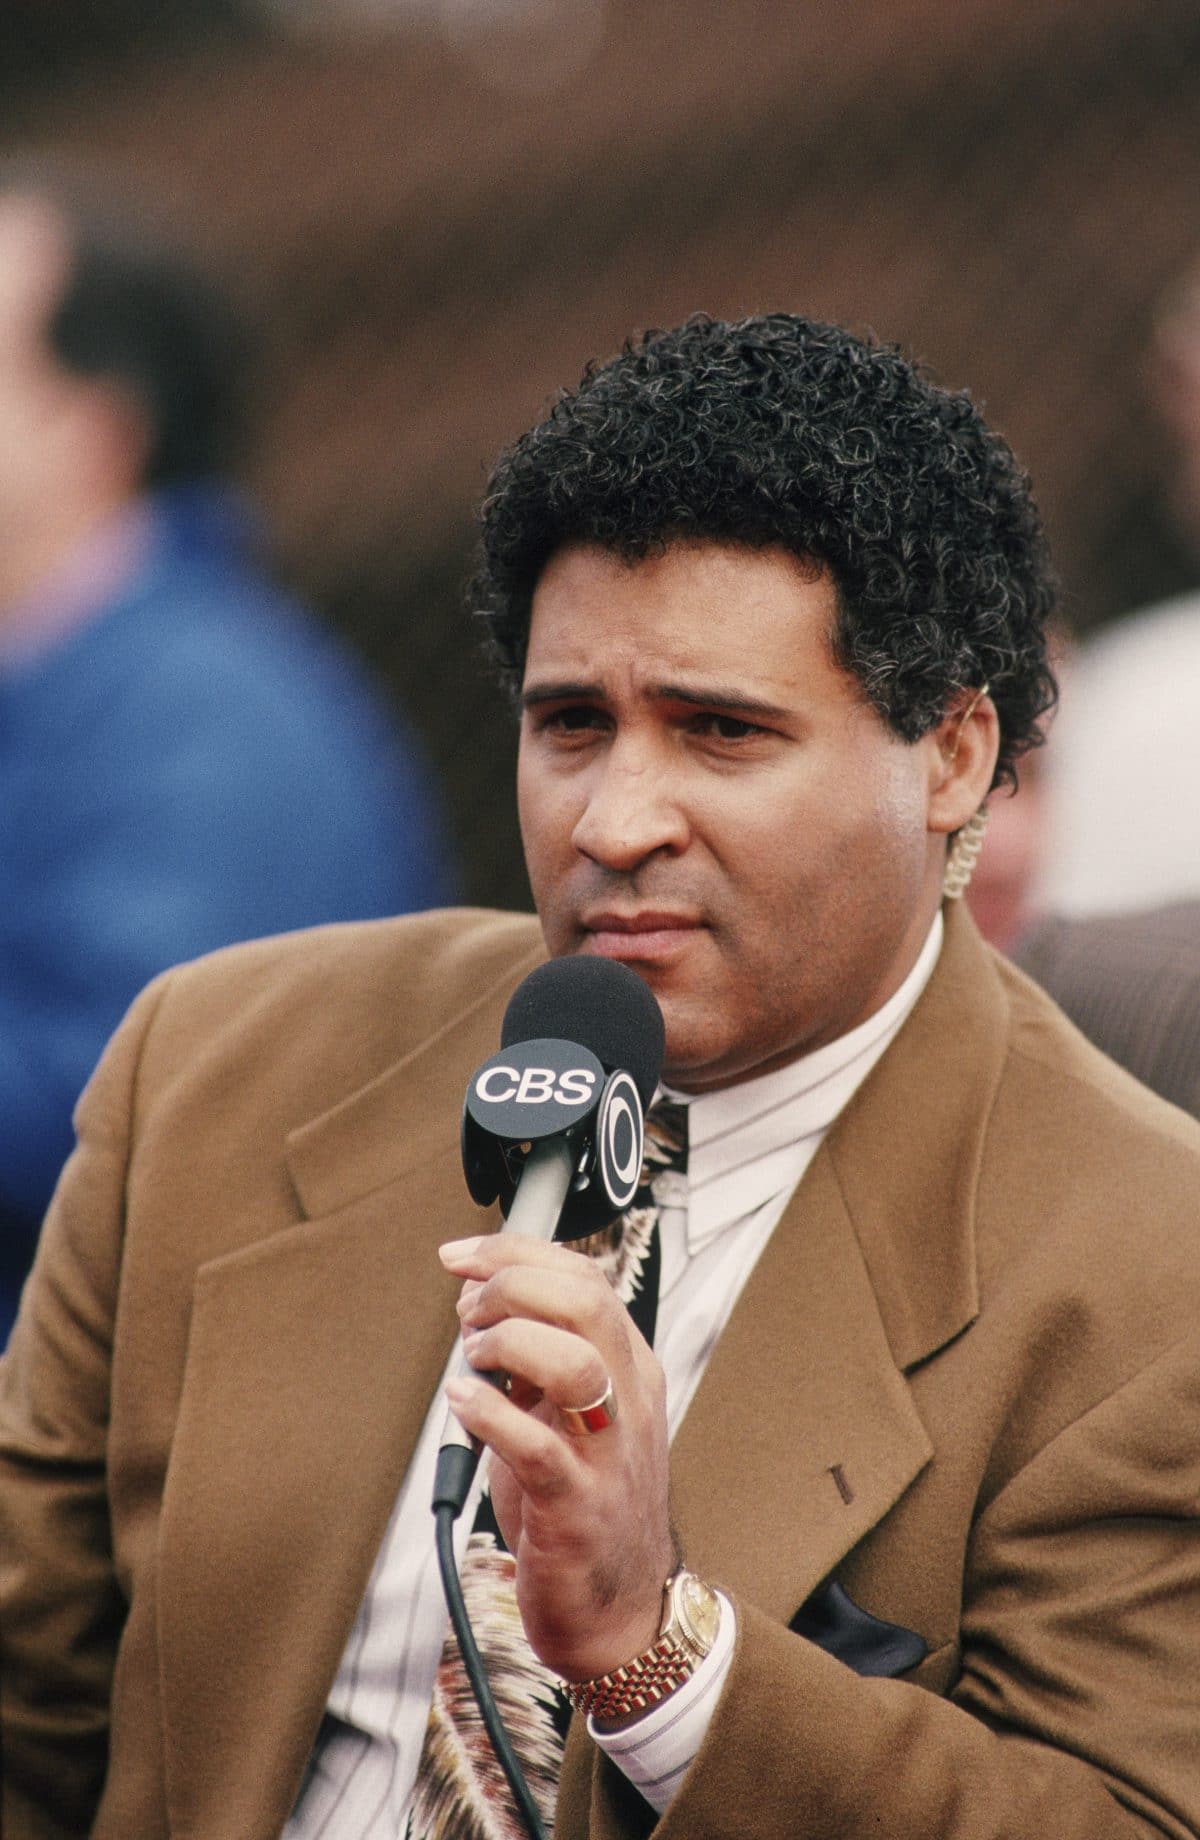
581	1421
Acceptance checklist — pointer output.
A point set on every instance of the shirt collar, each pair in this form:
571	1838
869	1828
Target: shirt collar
749	1142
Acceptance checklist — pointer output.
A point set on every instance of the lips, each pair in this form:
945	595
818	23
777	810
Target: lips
650	937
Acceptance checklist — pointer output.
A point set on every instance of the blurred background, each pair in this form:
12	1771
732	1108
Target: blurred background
438	210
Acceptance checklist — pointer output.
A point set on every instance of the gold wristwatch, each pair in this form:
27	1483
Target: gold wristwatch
691	1618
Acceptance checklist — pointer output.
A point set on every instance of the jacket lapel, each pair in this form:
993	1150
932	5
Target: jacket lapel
312	1358
801	1424
804	1423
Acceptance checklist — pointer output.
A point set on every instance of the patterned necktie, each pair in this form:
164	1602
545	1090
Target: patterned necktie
461	1792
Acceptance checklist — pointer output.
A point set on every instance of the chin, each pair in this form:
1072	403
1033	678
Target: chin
691	1062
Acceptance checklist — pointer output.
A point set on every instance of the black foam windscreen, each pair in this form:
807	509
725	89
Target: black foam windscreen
601	1005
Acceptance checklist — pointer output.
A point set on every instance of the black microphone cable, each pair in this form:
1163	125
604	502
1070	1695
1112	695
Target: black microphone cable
455	1468
538	1201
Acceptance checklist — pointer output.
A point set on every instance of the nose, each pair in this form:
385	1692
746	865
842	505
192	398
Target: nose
631	812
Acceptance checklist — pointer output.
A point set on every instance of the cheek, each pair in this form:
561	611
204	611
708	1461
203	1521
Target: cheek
902	792
901	826
833	861
884	812
546	818
529	798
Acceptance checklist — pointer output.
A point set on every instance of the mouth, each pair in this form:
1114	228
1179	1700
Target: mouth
651	937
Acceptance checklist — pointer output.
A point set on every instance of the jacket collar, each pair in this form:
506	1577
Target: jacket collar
907	1151
803	1413
388	1129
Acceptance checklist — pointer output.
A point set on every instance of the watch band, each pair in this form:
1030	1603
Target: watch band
691	1616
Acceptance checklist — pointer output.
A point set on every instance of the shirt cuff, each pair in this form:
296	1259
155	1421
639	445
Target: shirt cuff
655	1752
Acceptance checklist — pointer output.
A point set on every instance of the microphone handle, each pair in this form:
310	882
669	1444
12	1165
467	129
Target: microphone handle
542	1189
536	1207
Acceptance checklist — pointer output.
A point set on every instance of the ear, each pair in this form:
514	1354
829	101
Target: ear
962	760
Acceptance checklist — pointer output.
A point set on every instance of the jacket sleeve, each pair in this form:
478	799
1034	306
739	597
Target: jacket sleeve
61	1604
1076	1706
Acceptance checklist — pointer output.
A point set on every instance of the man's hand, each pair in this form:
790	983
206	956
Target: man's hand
586	1518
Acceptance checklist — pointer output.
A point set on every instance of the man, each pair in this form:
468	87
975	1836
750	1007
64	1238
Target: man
914	1448
185	759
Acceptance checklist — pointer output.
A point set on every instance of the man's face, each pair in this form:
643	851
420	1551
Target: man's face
705	796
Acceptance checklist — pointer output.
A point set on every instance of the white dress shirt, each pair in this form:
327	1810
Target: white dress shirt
748	1146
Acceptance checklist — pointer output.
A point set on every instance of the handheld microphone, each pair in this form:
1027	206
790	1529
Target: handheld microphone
552	1125
581	1048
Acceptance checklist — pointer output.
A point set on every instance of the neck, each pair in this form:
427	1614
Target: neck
33	558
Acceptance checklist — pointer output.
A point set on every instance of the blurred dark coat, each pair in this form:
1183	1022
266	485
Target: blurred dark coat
1131	982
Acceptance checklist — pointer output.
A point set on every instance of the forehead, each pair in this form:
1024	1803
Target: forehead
693	608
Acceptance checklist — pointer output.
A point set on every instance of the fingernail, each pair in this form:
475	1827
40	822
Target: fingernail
458	1251
461	1392
467	1296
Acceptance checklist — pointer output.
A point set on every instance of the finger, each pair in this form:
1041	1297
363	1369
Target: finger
491	1252
580	1301
470	1289
540	1459
562	1367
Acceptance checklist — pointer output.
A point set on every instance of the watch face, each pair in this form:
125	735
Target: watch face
699	1611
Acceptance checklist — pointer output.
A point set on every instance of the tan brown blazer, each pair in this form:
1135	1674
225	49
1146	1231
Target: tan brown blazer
962	1380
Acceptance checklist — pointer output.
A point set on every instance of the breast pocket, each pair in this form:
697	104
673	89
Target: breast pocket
866	1643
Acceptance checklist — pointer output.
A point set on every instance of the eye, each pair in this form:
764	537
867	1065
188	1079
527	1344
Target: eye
568	719
725	728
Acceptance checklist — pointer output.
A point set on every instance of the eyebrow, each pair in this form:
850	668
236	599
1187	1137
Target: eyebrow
711	696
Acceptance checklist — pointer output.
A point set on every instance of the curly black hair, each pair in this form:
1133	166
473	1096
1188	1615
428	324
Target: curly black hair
782	430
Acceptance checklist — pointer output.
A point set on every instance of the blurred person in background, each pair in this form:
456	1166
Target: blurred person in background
186	758
1123	776
1111	924
1131	982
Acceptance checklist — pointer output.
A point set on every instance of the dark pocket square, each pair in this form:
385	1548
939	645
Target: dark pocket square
864	1642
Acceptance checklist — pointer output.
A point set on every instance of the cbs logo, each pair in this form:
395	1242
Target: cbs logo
503	1085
